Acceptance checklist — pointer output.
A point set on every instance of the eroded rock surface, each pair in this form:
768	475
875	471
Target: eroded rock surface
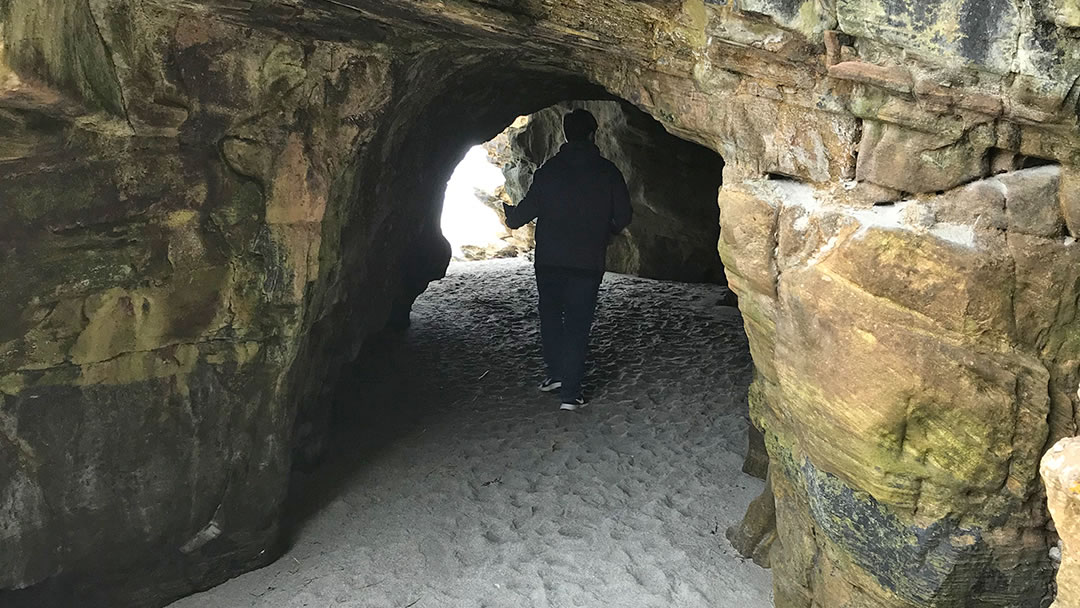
931	356
207	205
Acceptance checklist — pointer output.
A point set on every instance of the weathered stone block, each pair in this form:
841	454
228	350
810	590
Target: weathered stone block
748	238
1046	66
806	237
893	78
869	551
984	33
759	319
1069	197
1031	200
1003	161
755	535
809	18
1066	13
947	97
108	450
833	47
756	462
1047	286
980	204
866	194
935	454
912	161
962	289
758	135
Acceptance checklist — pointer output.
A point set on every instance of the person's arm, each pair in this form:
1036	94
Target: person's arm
621	211
529	207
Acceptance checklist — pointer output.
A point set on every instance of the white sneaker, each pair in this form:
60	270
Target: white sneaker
549	385
576	404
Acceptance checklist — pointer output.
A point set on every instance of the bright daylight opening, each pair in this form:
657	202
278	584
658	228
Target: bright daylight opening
469	220
472	219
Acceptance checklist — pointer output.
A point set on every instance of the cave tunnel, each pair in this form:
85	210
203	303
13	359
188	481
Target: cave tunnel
209	211
439	414
671	362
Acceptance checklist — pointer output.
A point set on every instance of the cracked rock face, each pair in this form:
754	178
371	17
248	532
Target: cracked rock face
889	328
207	207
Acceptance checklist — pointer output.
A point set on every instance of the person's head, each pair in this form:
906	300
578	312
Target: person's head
579	125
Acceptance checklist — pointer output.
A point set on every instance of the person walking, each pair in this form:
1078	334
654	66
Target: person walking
579	199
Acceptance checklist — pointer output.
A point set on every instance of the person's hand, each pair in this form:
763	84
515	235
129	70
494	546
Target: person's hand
507	209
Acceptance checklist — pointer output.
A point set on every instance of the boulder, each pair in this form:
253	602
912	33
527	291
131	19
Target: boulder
755	536
854	288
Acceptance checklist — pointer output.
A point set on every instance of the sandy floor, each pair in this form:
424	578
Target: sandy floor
480	493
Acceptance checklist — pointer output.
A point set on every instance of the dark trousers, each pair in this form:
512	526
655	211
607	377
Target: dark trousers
567	307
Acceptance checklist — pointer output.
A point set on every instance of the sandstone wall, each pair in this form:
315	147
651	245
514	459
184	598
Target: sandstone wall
157	264
205	205
944	380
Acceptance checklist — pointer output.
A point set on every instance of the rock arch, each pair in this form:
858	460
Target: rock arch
205	200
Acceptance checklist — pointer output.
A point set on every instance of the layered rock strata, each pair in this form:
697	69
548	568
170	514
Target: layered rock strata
207	204
912	360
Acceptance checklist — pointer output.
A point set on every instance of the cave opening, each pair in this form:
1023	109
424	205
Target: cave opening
471	219
427	454
443	459
673	186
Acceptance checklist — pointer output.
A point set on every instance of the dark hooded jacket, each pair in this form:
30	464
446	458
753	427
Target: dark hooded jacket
579	200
